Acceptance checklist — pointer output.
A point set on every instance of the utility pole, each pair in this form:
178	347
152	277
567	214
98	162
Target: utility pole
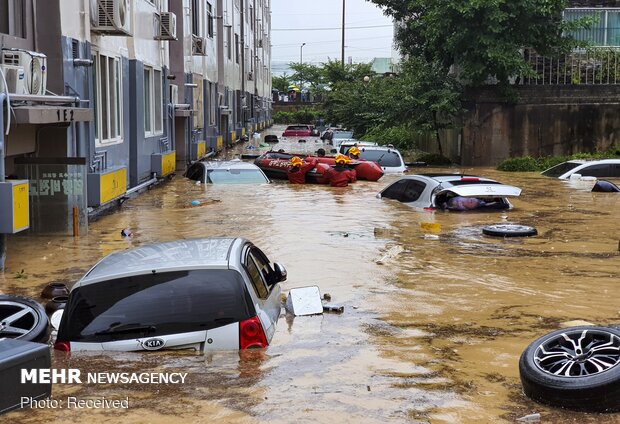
343	21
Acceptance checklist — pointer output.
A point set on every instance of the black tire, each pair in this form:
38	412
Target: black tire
509	230
23	318
593	380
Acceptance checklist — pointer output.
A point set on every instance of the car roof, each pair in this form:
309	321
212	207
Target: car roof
159	257
228	164
363	147
441	178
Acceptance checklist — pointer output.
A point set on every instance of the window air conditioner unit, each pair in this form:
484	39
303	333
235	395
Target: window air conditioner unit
34	66
174	94
166	26
199	46
112	17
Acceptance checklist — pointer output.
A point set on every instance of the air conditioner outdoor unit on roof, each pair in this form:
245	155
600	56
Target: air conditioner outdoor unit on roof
111	17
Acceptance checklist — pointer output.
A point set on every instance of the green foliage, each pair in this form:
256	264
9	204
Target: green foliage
522	164
481	38
530	164
434	159
301	116
280	83
21	274
400	137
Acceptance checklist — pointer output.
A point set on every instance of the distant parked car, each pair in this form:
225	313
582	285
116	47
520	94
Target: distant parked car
205	294
346	145
388	158
299	131
435	191
591	168
226	172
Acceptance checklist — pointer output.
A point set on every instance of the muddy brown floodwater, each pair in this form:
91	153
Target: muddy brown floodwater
431	335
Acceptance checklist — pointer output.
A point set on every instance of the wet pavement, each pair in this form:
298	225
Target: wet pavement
430	334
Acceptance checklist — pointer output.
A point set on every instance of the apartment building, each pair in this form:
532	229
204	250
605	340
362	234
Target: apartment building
108	96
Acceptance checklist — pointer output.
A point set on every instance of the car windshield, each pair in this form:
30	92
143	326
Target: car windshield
560	169
343	134
388	158
298	128
155	305
236	176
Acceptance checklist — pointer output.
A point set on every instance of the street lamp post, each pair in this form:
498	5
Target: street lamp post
301	54
343	21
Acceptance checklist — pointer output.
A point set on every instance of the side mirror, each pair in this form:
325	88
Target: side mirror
280	272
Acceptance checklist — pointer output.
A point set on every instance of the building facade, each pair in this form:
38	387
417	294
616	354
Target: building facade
108	96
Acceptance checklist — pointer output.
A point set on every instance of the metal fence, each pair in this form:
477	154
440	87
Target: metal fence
595	65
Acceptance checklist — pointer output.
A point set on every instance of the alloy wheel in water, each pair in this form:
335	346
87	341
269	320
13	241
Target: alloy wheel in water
16	319
23	318
509	230
579	354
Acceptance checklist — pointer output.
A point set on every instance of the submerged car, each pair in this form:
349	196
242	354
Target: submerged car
299	130
205	294
590	168
450	192
226	172
388	158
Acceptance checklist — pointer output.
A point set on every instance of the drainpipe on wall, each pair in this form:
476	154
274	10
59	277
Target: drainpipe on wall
2	172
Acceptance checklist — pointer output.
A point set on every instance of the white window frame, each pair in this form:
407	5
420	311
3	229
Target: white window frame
117	137
154	110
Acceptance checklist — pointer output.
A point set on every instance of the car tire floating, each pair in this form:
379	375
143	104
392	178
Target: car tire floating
509	230
575	368
23	318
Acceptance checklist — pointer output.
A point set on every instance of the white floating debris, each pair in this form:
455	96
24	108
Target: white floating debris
304	301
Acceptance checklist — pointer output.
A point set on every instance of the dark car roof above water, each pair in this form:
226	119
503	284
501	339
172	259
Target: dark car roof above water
181	254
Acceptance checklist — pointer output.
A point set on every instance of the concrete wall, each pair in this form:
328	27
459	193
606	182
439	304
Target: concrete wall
544	121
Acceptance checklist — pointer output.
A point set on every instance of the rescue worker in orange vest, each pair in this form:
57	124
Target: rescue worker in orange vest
354	153
298	170
340	175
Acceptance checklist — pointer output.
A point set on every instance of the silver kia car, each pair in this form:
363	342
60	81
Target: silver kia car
203	294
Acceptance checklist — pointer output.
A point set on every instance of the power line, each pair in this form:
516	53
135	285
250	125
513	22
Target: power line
331	41
330	29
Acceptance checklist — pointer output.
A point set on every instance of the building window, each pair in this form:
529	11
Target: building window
12	18
229	42
108	100
210	20
153	102
237	49
212	103
197	18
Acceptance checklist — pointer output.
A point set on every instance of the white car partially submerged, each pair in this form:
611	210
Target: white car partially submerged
450	192
203	294
604	168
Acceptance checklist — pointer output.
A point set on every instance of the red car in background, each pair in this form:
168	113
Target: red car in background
299	130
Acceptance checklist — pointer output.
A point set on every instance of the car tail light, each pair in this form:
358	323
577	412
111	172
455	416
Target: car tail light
62	346
251	334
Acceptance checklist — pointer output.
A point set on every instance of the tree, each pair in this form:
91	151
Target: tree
481	38
280	83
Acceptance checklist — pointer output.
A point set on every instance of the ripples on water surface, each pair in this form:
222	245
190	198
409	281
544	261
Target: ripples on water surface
432	335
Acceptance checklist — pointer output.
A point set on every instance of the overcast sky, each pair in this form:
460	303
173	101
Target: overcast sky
303	20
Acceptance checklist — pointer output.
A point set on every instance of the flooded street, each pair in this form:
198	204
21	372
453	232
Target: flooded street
435	317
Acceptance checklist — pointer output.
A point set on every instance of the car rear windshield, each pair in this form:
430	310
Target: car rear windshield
155	305
560	169
343	134
235	176
298	128
387	158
